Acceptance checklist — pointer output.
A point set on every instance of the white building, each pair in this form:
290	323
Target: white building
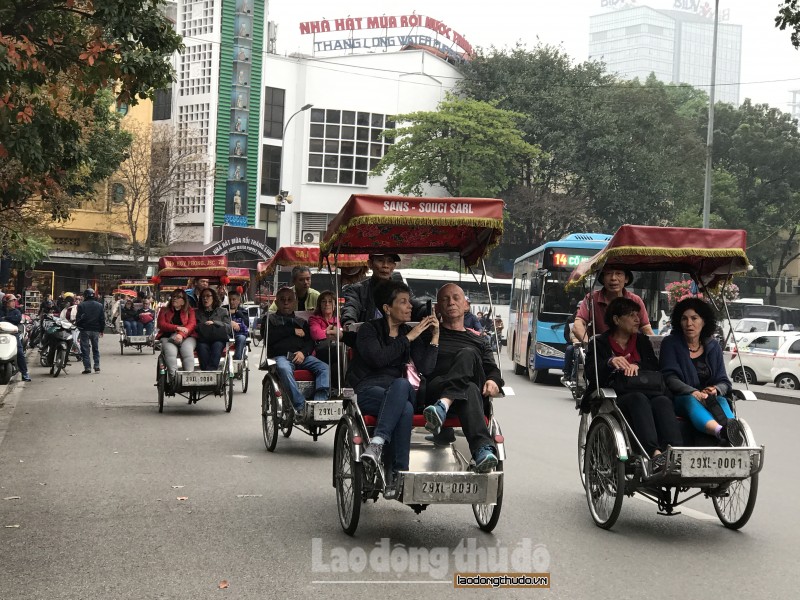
329	149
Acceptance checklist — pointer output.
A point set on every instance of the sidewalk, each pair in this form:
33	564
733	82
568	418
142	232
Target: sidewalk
774	394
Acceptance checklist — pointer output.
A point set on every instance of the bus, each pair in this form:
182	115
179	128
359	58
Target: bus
540	306
425	283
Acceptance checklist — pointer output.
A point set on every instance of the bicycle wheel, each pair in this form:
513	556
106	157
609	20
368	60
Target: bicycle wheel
269	415
605	475
487	515
347	476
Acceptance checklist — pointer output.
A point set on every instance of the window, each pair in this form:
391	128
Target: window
118	193
196	70
197	17
274	103
162	105
345	145
764	344
795	348
271	170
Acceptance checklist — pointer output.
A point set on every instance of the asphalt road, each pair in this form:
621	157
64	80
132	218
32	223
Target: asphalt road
91	473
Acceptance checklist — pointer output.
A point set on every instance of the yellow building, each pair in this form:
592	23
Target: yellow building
91	249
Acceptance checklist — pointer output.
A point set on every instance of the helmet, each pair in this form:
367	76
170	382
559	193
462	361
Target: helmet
89	293
69	295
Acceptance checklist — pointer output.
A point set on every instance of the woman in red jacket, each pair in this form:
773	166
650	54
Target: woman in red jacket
176	324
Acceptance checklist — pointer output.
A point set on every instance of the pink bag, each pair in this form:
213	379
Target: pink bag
412	375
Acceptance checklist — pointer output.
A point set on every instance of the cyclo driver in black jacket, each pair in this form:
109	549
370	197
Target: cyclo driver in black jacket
359	298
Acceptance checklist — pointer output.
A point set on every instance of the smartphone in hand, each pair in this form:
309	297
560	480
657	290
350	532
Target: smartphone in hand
428	308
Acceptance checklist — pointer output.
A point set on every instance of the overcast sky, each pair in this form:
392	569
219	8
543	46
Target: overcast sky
770	65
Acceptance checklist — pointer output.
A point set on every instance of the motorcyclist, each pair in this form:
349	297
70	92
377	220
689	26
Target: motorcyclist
12	314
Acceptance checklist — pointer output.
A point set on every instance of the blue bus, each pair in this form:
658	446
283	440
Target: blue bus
540	306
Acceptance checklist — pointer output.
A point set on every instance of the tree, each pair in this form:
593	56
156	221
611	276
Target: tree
56	56
150	179
789	16
757	184
469	148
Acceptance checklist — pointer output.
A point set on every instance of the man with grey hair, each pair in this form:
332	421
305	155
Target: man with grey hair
305	294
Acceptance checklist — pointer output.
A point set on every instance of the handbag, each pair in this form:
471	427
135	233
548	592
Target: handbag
145	317
411	375
212	333
649	383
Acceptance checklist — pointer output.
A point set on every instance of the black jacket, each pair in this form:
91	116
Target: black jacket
647	355
379	358
282	337
359	303
91	316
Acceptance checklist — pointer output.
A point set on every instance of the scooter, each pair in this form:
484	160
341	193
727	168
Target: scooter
56	342
8	351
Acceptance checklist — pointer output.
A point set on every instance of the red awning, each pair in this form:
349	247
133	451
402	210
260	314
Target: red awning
710	255
238	274
306	256
193	266
469	226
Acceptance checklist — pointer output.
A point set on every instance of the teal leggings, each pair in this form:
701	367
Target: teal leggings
690	407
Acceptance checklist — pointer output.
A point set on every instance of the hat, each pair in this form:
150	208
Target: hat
395	257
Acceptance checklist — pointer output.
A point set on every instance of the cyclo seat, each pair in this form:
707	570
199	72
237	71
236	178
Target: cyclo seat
419	421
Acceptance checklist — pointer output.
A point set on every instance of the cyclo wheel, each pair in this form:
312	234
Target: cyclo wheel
121	347
245	374
347	477
605	475
487	515
735	507
161	382
269	415
287	421
583	430
227	392
59	360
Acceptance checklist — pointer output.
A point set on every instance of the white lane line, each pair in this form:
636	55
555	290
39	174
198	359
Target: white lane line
684	510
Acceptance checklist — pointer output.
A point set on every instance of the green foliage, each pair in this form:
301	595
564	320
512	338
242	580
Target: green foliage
789	17
467	147
30	250
441	262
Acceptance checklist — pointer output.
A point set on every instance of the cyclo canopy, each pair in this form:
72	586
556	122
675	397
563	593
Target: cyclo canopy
711	256
305	256
193	266
470	227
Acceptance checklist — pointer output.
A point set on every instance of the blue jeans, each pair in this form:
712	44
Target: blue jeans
241	341
147	328
22	364
87	339
569	360
209	355
690	407
394	407
130	327
322	378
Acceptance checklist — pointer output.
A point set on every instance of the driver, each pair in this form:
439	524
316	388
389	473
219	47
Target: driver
614	280
193	294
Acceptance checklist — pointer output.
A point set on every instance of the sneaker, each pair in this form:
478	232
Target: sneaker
97	369
658	462
86	372
299	413
435	414
485	459
372	455
26	378
733	432
445	437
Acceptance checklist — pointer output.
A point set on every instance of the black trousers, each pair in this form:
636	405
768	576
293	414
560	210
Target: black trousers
463	384
653	420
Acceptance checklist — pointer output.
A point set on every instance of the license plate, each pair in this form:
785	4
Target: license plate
192	379
328	411
724	463
137	339
467	489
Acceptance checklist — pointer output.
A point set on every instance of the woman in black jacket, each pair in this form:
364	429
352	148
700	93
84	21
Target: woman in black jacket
383	347
622	350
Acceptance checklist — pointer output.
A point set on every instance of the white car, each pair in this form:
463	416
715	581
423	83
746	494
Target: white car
761	354
785	370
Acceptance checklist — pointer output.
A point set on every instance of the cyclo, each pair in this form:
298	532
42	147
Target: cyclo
241	368
195	385
277	411
127	290
469	227
611	459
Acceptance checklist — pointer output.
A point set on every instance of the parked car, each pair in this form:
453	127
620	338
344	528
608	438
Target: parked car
761	354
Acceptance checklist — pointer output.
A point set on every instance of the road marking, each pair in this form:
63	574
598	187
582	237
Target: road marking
684	510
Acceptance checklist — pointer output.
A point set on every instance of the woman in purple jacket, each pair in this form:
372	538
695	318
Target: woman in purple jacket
694	371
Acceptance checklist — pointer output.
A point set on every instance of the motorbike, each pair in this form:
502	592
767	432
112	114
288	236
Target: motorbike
56	343
8	351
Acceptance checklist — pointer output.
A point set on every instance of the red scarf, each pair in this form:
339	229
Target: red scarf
630	349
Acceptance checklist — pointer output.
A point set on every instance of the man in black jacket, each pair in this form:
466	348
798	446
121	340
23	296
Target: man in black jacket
289	343
465	374
91	321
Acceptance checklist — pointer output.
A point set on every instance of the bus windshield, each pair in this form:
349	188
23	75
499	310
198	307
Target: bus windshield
556	301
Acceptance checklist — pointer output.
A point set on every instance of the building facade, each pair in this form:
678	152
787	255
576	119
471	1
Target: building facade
676	46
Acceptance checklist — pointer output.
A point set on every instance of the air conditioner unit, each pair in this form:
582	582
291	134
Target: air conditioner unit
311	237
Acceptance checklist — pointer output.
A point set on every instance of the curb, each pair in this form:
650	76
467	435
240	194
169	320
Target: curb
5	390
771	397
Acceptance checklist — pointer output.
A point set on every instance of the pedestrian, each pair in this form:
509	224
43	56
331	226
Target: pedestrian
91	322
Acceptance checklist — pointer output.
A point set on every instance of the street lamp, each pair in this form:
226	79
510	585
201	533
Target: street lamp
283	198
710	135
